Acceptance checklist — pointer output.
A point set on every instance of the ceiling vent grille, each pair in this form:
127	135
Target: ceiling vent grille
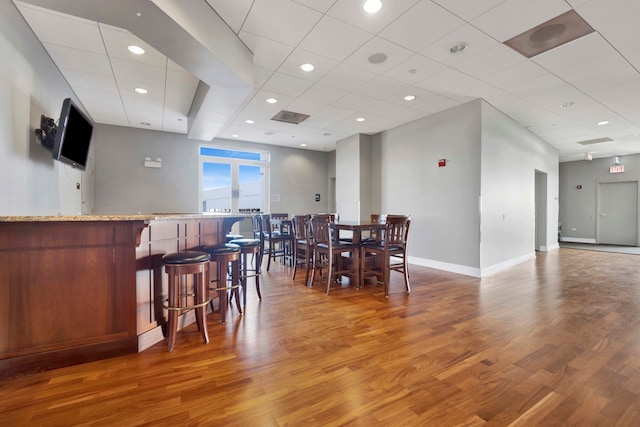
551	34
595	141
290	117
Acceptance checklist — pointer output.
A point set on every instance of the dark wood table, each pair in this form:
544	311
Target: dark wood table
357	227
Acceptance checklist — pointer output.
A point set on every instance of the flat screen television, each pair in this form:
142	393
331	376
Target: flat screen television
73	136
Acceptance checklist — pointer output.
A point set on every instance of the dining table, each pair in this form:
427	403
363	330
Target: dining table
356	228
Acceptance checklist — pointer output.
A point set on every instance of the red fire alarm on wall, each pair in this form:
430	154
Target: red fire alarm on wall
442	163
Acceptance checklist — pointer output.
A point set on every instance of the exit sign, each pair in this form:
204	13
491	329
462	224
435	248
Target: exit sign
616	169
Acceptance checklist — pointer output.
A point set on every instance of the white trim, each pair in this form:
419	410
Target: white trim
471	271
577	240
445	266
507	264
549	248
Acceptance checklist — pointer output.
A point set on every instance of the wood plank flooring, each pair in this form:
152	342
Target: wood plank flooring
551	342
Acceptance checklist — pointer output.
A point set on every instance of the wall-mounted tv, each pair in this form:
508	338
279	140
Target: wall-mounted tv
73	136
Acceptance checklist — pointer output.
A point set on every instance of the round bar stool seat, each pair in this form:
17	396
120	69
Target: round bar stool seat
177	265
249	247
226	256
231	236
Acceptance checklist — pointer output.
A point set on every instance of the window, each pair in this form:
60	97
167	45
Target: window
233	180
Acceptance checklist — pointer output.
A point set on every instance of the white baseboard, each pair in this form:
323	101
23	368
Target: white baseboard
577	240
507	264
550	247
445	266
471	271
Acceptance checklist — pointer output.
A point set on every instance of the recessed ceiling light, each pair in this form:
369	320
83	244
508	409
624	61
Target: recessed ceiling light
567	104
141	90
360	119
138	14
303	145
458	47
249	121
604	122
307	67
372	6
409	97
145	123
135	49
235	135
272	100
327	134
377	58
413	71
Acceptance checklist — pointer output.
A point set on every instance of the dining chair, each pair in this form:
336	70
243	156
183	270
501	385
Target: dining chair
302	249
391	249
328	253
279	242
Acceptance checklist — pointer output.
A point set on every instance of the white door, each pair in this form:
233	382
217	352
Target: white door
618	214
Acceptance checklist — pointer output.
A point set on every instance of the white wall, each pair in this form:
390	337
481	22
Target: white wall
476	215
124	185
510	157
31	182
442	201
348	178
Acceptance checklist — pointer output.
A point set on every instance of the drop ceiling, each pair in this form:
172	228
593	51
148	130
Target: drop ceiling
210	66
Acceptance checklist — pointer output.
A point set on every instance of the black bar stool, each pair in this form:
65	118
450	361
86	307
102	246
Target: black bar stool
227	259
249	247
177	265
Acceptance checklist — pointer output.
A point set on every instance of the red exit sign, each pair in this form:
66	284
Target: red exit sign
616	169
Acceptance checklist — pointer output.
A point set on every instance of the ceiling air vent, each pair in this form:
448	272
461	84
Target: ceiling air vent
290	117
551	34
595	141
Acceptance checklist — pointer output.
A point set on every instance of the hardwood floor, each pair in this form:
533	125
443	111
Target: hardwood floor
551	342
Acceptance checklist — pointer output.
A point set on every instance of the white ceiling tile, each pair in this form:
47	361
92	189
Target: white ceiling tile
354	101
346	77
181	80
335	113
117	41
493	60
513	17
63	30
233	12
458	86
391	114
477	43
515	74
147	74
379	87
322	64
421	25
80	60
98	82
466	9
322	94
305	107
287	85
267	53
319	5
572	53
334	38
351	12
425	101
281	20
414	68
395	55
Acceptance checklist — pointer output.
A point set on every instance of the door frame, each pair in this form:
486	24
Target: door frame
540	212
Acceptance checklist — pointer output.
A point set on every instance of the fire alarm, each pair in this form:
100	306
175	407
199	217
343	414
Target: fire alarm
442	163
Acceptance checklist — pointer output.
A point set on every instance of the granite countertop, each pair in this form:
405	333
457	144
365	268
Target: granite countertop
131	217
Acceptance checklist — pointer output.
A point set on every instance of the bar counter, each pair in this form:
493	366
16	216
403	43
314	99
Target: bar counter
80	288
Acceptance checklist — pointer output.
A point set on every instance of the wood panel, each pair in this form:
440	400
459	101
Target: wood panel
67	288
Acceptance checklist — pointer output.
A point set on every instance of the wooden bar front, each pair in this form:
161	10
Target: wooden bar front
77	289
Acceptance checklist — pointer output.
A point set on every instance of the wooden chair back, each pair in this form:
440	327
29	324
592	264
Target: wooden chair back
397	231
